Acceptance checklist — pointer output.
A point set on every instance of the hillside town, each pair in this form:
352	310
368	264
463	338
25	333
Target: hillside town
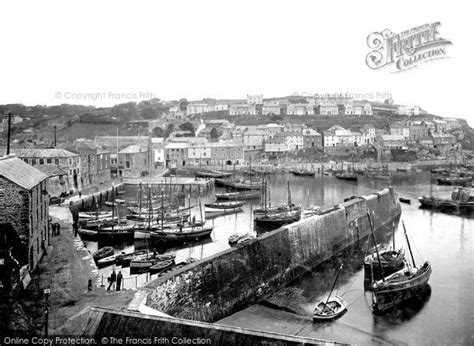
184	135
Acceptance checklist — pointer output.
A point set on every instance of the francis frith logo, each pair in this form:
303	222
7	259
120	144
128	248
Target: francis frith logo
406	50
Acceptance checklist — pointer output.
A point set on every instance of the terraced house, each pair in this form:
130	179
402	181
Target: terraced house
95	162
67	161
24	205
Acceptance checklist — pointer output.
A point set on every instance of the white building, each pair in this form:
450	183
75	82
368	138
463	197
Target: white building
242	109
328	109
294	140
158	147
409	110
197	108
368	134
339	136
255	99
358	109
272	107
300	109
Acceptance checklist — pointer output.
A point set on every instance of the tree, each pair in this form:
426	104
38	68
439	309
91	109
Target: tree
214	133
158	132
169	129
183	103
148	113
187	126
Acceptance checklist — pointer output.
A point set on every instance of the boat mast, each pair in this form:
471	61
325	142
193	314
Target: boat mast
289	195
113	206
332	287
162	207
140	200
408	242
375	244
393	235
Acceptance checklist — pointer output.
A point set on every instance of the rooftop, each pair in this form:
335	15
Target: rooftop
20	173
40	153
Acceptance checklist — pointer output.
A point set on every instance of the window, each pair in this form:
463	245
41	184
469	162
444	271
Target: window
48	161
33	162
41	161
56	161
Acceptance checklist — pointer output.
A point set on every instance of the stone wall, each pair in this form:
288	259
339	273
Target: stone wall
27	212
231	280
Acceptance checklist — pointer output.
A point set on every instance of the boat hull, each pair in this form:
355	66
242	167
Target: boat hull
335	307
388	294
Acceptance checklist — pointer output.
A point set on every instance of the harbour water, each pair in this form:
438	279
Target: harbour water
444	314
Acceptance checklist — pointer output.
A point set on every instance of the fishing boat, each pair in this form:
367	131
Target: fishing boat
212	214
405	200
109	260
182	234
279	219
241	195
276	216
403	169
117	232
86	233
454	180
400	286
94	215
238	185
213	174
462	200
332	307
121	192
310	211
303	172
102	253
238	238
382	262
346	176
438	170
161	266
224	205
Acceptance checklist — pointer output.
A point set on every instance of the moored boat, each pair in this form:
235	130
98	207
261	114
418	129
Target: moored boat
346	176
103	252
332	306
462	200
303	172
454	180
238	185
241	195
400	286
224	205
182	234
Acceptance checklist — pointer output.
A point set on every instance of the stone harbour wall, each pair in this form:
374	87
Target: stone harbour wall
231	280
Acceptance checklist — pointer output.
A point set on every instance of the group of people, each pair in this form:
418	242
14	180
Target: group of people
115	280
55	229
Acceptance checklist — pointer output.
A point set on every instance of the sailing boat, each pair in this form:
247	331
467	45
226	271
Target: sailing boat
391	260
332	307
401	285
278	216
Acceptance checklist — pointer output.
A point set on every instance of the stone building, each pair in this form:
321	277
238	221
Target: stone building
135	161
67	161
24	204
95	162
300	109
56	184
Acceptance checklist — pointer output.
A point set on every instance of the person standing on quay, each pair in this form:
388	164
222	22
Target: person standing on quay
113	278
119	280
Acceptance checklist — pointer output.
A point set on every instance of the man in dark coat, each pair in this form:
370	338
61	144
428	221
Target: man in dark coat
119	280
113	278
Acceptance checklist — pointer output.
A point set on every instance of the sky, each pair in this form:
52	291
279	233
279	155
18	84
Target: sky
107	52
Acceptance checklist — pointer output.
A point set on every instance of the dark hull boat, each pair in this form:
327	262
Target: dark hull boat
212	174
225	205
102	253
243	195
454	180
279	219
399	287
462	200
118	232
238	186
303	173
161	266
391	261
346	176
182	234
